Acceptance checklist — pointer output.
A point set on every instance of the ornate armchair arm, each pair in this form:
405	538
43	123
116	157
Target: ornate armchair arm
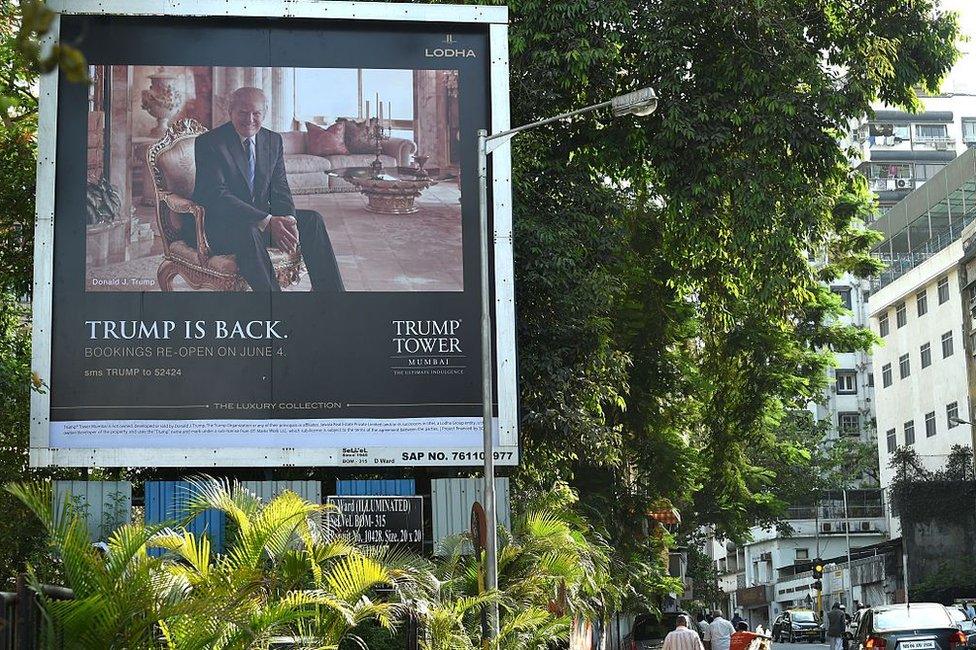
400	149
183	205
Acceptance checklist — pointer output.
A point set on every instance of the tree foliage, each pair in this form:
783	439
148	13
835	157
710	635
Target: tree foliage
670	270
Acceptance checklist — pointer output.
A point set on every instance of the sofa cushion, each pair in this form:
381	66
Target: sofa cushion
357	136
326	142
298	163
293	142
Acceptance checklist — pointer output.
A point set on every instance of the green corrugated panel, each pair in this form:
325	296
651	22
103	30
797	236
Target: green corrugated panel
451	500
105	504
266	490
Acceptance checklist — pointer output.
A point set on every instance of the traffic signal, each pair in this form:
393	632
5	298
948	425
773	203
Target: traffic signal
817	569
818	585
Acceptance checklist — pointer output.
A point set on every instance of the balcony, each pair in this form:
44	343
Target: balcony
936	143
896	184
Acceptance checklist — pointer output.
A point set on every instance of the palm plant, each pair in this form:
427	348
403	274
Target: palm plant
284	574
119	597
552	568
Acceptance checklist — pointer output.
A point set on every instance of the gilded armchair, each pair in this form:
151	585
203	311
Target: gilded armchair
172	165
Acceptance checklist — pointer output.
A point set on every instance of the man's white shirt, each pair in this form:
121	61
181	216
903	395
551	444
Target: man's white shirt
720	633
682	639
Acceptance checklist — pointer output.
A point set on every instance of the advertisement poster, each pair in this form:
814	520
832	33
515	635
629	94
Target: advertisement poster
265	244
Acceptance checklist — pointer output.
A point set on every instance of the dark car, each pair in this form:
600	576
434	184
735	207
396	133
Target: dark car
797	625
918	626
649	630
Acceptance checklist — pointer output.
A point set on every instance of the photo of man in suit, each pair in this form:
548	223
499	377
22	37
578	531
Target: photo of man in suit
241	182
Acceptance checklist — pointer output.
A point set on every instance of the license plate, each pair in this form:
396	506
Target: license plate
917	645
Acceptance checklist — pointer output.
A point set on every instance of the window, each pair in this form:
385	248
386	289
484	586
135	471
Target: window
930	424
886	375
952	414
925	171
926	351
350	88
845	295
802	553
921	303
888	134
931	133
904	366
947	344
883	324
943	290
969	130
871	379
846	382
892	442
849	424
901	314
910	432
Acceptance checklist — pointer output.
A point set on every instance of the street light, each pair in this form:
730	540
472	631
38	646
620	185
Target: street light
640	103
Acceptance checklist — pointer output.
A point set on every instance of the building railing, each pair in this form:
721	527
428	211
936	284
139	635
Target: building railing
901	263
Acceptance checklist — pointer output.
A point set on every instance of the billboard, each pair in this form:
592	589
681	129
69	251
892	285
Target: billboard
258	239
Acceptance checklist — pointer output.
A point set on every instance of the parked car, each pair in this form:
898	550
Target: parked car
965	624
649	630
918	626
797	625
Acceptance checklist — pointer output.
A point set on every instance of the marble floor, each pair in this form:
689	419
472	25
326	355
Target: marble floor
375	252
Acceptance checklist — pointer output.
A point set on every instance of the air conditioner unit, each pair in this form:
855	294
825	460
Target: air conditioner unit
941	145
766	557
901	183
826	527
866	526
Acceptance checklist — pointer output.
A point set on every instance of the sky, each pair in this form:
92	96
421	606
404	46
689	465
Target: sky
962	79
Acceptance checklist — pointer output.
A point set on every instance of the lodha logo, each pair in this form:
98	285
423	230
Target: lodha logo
449	52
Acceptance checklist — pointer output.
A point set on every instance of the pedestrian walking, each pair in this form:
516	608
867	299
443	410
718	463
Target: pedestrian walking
720	632
702	626
682	638
836	626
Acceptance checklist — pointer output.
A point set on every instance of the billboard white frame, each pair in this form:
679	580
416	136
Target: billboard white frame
496	18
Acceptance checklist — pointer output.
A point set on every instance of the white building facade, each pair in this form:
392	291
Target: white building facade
920	371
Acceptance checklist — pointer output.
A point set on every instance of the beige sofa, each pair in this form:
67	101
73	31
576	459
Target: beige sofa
309	174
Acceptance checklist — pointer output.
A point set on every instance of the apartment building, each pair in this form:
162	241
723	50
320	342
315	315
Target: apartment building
921	370
771	573
900	151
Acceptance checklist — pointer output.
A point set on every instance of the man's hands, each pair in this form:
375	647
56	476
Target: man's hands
284	233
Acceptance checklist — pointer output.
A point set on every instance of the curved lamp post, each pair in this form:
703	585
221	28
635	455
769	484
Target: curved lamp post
640	103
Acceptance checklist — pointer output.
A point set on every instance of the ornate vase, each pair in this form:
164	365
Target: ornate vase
163	100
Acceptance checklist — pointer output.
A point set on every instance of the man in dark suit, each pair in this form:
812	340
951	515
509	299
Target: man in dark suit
240	181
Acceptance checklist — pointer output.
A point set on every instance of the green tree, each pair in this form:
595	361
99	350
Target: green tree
670	316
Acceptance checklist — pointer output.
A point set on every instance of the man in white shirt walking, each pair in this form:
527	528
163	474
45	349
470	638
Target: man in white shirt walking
720	632
682	638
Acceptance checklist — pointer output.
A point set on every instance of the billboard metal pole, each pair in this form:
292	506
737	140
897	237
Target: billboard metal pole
491	538
640	102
